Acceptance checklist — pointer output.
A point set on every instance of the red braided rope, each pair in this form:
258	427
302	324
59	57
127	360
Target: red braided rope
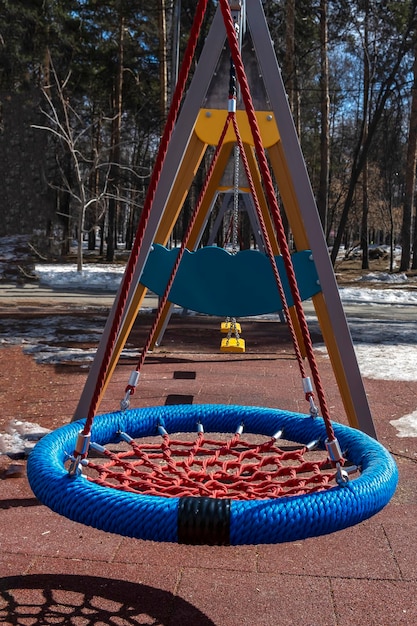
131	265
269	188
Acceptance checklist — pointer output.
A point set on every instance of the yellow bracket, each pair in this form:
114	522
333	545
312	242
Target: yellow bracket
210	124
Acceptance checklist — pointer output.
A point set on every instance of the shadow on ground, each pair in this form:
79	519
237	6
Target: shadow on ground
68	599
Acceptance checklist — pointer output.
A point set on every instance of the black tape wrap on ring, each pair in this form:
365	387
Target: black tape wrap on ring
204	521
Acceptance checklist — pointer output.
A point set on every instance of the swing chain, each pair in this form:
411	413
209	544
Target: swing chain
231	323
232	108
232	330
235	201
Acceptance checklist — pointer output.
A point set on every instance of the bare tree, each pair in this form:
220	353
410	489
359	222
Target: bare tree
163	67
62	123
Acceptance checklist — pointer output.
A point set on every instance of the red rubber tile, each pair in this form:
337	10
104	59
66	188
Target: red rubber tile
237	558
363	575
333	555
375	602
401	530
12	564
31	529
261	599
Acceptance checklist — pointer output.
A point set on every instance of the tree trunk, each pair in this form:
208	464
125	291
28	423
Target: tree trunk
410	177
92	217
290	78
80	238
322	195
414	227
115	146
289	61
176	34
163	60
391	240
366	105
364	223
245	238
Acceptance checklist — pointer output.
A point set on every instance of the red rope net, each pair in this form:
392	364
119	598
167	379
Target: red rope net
235	468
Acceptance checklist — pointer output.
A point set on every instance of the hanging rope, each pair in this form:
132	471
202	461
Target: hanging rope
131	265
235	218
233	328
235	344
282	240
236	156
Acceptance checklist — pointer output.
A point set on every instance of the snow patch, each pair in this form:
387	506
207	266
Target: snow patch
384	277
406	425
96	277
382	363
20	438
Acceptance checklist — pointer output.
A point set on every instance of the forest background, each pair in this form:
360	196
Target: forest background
85	86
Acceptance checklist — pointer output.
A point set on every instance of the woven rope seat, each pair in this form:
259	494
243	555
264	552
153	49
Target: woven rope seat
312	508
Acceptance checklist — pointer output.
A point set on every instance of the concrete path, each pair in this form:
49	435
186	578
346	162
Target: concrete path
33	294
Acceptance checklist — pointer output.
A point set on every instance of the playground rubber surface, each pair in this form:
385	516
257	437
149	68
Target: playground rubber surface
54	571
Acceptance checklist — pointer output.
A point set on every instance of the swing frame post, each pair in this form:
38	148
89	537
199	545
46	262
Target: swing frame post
184	154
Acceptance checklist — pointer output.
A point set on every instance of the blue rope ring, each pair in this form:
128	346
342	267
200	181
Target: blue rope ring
235	522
